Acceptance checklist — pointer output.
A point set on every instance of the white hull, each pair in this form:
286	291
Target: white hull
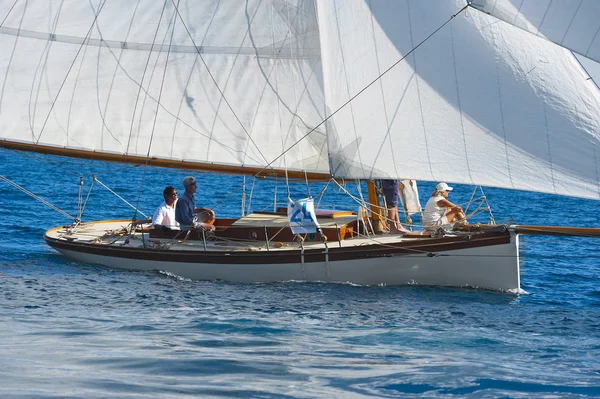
486	266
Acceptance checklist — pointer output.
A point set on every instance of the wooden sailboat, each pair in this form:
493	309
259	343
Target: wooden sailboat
474	93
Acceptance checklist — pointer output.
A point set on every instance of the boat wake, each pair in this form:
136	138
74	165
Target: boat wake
174	276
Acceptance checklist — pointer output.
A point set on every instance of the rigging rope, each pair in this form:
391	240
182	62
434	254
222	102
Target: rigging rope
87	197
251	194
43	201
121	198
80	198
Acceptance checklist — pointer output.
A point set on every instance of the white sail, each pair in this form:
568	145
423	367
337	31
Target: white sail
131	78
572	24
480	102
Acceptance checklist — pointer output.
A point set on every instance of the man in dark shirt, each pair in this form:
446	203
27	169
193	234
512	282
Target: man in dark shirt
186	212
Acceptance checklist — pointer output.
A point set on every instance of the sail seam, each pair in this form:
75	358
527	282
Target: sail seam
460	110
184	95
502	115
549	148
412	42
264	52
348	89
388	135
593	40
110	89
543	18
518	12
571	22
141	84
281	137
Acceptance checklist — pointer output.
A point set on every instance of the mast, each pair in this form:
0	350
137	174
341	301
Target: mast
377	218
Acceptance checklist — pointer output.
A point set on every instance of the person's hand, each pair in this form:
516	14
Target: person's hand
204	226
208	227
205	211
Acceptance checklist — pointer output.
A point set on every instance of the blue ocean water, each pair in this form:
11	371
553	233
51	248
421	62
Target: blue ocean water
72	330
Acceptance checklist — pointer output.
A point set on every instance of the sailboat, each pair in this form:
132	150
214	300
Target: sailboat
485	93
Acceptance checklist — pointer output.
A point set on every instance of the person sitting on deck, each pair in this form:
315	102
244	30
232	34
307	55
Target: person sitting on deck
164	216
439	211
186	213
390	191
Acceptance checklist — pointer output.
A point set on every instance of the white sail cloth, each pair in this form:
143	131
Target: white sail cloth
81	75
571	24
480	102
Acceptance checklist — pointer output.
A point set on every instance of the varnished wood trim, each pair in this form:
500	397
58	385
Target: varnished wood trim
557	231
163	163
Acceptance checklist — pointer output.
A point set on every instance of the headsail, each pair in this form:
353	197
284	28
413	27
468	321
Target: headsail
111	76
571	24
480	102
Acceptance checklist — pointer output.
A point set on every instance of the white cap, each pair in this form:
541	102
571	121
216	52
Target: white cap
443	187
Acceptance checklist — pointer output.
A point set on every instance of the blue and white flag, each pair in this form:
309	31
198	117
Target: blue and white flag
302	217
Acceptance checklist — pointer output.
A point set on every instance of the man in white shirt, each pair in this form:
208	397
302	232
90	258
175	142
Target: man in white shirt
165	213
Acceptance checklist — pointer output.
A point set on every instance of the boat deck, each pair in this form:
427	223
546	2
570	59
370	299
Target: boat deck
114	233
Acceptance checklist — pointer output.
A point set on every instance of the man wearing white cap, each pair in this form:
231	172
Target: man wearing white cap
439	211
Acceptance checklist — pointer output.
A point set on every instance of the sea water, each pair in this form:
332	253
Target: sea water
71	330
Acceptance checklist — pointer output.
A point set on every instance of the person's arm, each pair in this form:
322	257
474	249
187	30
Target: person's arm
444	203
181	215
158	216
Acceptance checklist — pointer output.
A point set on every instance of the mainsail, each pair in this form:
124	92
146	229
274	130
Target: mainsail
420	89
212	82
479	102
